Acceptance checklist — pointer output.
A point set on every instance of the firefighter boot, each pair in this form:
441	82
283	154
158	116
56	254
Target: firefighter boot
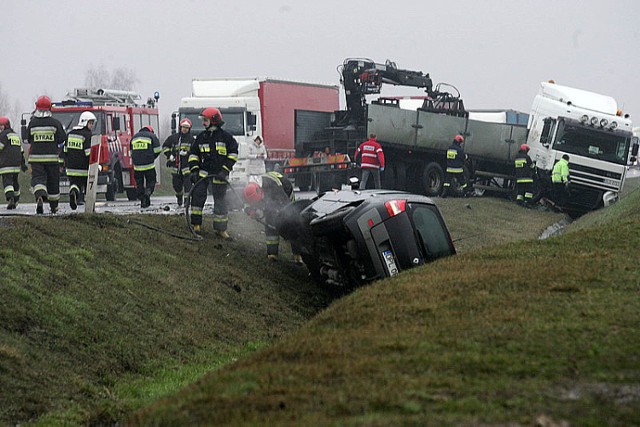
53	207
12	203
40	206
73	199
297	258
196	228
224	235
179	199
272	257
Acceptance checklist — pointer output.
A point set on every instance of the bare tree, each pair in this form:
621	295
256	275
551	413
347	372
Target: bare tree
8	107
119	78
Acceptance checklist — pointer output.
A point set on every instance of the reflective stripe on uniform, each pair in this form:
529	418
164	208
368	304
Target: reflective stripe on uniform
143	168
77	172
43	158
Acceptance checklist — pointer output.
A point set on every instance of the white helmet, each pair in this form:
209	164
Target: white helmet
85	118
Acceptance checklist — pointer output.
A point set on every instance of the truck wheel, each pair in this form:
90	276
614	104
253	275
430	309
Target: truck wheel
432	179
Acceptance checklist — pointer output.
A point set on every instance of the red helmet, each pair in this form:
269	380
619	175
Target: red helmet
252	193
214	115
43	103
459	139
4	121
149	128
524	147
185	122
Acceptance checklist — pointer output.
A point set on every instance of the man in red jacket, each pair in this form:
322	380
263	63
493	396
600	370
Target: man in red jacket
372	161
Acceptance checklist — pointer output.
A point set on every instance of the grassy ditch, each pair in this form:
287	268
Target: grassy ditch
100	316
526	333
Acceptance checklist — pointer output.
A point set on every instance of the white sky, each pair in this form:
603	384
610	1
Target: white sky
495	51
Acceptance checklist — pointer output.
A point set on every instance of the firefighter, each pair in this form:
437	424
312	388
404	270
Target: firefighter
525	171
372	162
145	148
212	156
455	167
11	162
265	204
46	137
560	181
176	148
76	152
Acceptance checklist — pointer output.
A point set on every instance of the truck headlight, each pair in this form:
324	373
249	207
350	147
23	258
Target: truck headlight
604	122
613	125
584	119
594	121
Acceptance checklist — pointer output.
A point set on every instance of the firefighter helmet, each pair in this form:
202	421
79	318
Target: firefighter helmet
252	193
85	118
149	128
185	123
43	103
4	121
214	115
524	147
459	139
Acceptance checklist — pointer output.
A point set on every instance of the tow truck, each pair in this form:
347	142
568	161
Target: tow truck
120	114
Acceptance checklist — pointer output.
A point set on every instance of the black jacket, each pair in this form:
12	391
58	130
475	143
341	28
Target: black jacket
11	158
145	147
179	144
455	157
213	152
77	149
46	137
525	169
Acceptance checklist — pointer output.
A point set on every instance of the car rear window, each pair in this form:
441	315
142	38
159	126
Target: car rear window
431	230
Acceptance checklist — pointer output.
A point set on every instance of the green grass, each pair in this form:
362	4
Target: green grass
100	316
525	333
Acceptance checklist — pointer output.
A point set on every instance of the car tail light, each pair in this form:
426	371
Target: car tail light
395	207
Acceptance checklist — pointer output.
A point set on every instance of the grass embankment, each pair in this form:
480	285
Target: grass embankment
535	332
100	317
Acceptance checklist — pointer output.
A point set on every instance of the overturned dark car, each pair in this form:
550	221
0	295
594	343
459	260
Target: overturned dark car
352	237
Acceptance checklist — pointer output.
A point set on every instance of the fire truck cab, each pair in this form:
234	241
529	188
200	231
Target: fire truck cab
119	116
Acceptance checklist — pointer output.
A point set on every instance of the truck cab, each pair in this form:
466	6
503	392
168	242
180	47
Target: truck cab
590	129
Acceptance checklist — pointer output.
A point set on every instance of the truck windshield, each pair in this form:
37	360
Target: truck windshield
69	119
594	143
233	122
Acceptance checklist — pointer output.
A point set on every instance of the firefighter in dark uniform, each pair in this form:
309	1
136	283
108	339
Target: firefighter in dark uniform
525	172
176	148
212	155
77	150
11	162
46	137
265	204
145	148
455	167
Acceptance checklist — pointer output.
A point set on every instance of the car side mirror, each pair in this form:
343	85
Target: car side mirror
23	129
354	183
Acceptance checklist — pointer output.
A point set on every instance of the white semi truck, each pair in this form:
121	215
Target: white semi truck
587	126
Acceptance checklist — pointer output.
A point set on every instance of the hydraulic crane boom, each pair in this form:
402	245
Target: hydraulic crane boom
361	77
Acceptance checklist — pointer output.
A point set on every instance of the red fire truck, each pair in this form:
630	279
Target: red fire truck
120	114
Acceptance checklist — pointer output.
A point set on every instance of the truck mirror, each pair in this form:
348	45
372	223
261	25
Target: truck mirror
173	123
116	123
634	148
252	121
23	129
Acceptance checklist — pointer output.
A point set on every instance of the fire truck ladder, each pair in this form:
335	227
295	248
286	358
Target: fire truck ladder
105	96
